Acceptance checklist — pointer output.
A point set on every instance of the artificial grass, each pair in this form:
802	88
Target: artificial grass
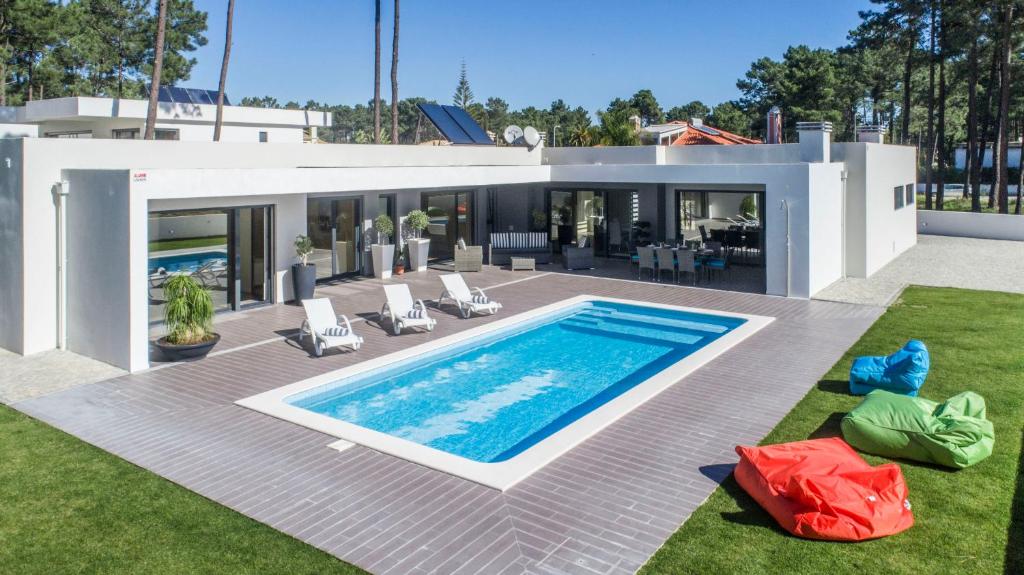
68	507
180	244
967	521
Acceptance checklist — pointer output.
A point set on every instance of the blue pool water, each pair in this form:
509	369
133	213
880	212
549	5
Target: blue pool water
491	398
186	262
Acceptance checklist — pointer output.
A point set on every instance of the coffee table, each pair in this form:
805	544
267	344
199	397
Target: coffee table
523	264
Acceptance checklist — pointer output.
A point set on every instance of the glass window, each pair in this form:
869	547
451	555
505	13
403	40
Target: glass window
125	134
897	197
450	218
78	135
164	134
263	138
335	227
911	197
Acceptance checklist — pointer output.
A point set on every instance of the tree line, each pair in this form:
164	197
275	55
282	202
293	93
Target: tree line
935	72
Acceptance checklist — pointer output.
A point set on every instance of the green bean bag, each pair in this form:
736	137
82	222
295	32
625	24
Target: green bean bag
954	433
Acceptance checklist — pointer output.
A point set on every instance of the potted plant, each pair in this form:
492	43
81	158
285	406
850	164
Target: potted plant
399	264
188	314
419	248
383	252
303	273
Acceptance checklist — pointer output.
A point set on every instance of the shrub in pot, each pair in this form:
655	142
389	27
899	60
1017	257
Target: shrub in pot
188	315
419	248
303	273
383	252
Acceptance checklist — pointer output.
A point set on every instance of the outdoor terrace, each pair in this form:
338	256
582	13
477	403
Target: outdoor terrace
603	507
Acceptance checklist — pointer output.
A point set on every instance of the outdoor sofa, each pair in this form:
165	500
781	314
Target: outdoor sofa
504	245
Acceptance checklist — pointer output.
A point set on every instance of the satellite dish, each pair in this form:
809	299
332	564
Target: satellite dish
513	133
531	136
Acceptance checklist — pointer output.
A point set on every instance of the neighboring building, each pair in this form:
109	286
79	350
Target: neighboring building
86	222
108	118
1012	159
692	133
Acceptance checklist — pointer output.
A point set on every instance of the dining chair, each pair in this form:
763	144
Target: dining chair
666	260
688	264
645	261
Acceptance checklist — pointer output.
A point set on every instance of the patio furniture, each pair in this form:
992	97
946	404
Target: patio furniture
718	235
645	260
954	433
577	258
821	489
719	264
468	258
456	290
523	264
715	247
502	246
703	234
326	328
210	274
752	240
403	311
688	263
666	260
902	372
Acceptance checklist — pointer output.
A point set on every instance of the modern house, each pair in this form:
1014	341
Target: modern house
183	114
85	223
692	133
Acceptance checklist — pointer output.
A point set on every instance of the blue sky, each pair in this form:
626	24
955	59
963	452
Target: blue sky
528	52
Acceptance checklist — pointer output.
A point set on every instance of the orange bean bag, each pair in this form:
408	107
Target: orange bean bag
821	489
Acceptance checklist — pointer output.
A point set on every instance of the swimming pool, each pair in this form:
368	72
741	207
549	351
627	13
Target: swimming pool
495	403
188	262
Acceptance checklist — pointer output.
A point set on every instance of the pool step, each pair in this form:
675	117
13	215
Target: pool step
686	326
620	329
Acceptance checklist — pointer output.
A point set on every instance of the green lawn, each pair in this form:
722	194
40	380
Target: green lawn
162	245
962	205
68	507
968	521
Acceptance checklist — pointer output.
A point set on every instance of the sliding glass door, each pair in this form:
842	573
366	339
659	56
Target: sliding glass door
450	217
602	219
229	251
335	226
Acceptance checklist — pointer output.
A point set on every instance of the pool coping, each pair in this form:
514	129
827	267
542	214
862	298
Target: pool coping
501	475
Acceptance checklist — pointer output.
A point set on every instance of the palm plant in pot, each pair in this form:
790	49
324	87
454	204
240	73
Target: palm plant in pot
303	273
383	251
419	248
188	315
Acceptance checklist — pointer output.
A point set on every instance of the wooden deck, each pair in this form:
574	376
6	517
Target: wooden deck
604	507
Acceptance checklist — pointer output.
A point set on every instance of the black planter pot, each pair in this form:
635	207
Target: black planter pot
303	281
179	352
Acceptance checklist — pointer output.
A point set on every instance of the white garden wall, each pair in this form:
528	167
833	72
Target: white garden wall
971	225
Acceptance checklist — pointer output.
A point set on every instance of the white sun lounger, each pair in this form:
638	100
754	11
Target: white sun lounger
403	311
456	290
327	329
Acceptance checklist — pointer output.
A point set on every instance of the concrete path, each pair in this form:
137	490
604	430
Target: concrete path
25	377
939	261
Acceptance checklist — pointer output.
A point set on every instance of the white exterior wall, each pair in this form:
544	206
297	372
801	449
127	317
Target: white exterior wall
890	232
1012	157
37	164
971	225
825	226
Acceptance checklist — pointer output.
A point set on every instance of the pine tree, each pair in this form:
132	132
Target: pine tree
463	93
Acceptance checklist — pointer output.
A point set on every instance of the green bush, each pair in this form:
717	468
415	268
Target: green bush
188	312
384	226
417	221
303	247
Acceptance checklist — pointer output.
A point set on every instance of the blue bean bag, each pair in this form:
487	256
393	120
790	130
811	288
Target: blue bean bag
903	372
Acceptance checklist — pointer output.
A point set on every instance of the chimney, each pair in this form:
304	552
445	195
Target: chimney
871	134
815	141
636	122
773	135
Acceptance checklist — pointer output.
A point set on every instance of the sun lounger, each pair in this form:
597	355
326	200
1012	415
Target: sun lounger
456	290
403	311
327	329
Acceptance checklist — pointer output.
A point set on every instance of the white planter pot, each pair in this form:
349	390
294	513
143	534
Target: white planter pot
419	250
383	260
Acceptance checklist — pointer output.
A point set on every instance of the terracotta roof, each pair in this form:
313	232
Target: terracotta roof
694	135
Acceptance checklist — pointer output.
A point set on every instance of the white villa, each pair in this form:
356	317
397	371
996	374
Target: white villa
84	221
184	119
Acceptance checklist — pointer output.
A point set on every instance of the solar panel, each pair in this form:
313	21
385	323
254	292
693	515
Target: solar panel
448	127
201	96
708	130
468	125
180	95
164	95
